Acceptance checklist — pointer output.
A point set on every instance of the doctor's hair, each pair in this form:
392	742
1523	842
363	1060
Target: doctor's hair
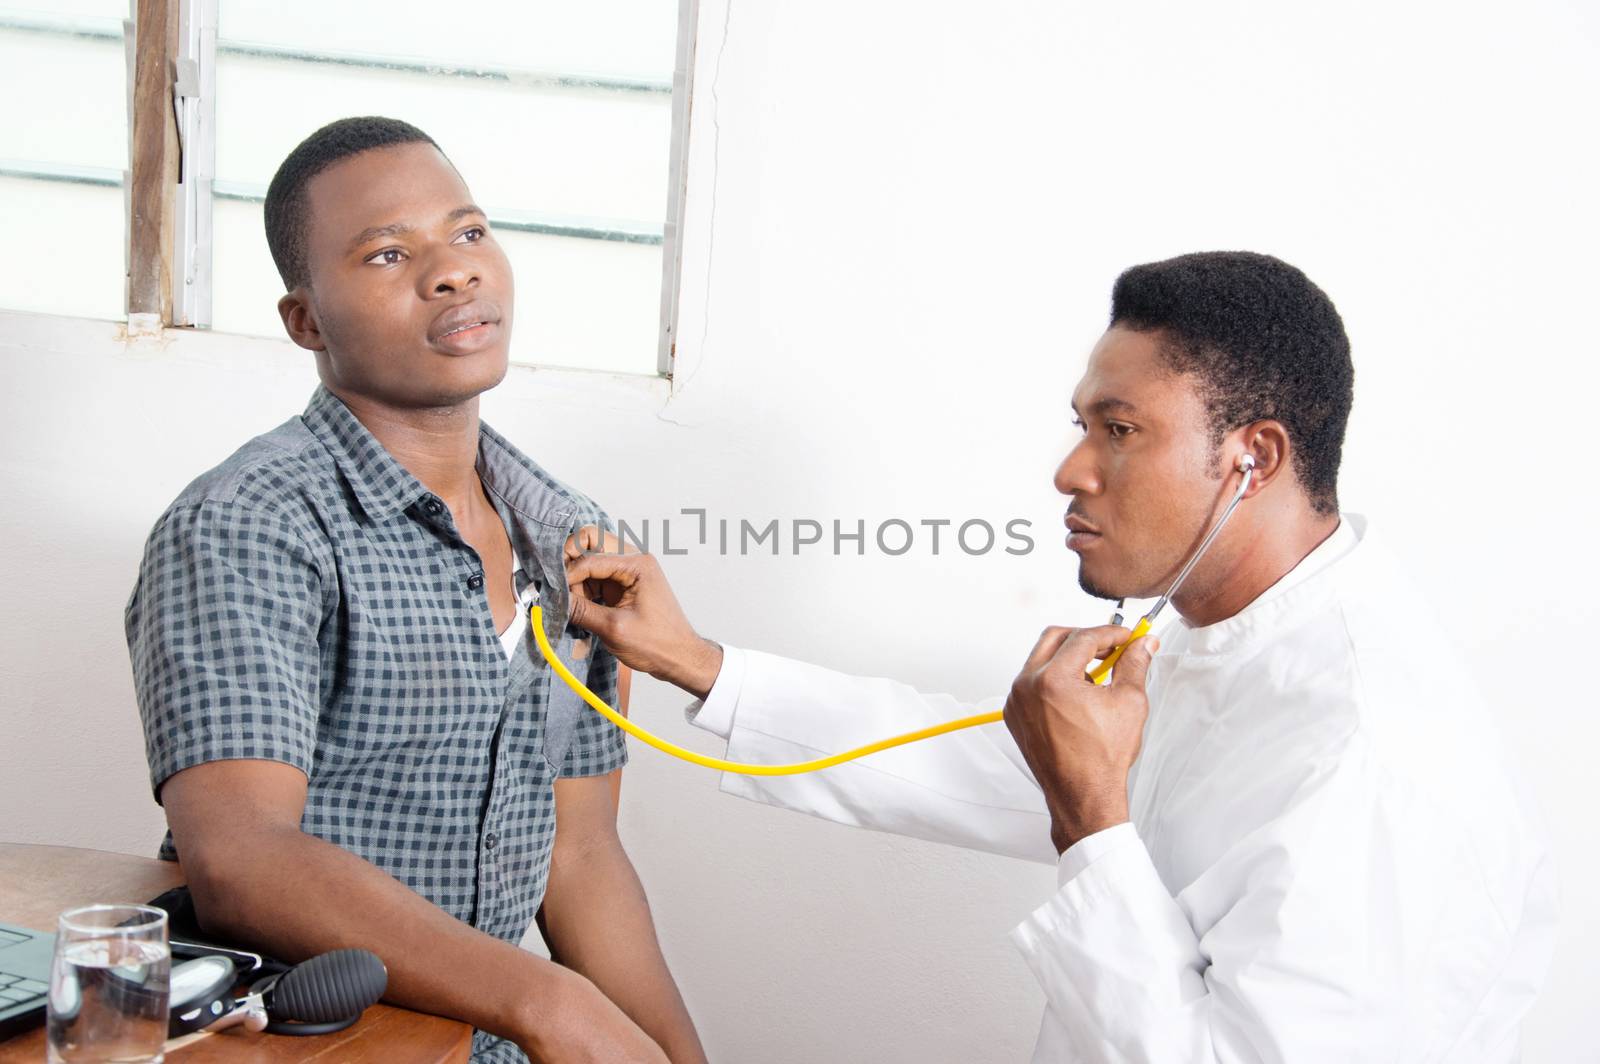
1264	342
287	204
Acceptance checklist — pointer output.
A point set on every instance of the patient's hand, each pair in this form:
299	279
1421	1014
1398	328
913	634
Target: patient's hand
626	601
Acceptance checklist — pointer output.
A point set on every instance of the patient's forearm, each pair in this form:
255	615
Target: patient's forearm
295	895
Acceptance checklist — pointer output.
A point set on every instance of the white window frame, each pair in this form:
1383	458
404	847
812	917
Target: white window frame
180	141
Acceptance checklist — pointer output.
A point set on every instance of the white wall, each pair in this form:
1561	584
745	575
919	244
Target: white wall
901	237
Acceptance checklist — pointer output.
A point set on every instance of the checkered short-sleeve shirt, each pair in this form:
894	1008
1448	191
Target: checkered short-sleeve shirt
309	601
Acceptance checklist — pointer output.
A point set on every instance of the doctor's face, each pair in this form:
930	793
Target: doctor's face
1145	477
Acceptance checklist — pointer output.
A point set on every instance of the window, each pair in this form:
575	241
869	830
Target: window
561	116
62	158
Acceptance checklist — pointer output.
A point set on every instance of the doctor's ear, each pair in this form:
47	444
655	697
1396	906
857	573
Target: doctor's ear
300	320
1263	446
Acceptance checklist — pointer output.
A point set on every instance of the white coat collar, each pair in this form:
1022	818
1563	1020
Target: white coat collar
1308	584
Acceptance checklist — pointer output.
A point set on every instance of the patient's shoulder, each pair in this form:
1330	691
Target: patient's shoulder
278	472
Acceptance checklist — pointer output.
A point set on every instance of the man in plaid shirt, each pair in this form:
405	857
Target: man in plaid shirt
353	737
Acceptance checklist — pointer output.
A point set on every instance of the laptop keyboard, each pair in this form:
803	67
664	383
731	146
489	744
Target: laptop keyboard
15	990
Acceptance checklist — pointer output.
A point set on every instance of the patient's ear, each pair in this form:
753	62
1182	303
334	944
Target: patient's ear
300	319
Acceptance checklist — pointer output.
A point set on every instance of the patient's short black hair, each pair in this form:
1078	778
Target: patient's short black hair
286	206
1264	342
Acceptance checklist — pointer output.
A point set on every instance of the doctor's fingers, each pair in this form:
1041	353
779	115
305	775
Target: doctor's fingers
590	538
1084	645
1134	665
1050	641
626	571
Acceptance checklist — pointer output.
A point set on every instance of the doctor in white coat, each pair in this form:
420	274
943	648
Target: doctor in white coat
1285	831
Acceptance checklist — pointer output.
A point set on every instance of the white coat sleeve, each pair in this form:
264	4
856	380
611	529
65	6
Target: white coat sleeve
969	788
1324	935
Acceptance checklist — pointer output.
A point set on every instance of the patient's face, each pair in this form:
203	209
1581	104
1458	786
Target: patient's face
399	260
1145	476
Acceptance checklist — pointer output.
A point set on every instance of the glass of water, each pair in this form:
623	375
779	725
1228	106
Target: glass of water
109	985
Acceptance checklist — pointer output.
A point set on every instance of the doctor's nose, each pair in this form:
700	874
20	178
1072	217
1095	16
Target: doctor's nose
1077	475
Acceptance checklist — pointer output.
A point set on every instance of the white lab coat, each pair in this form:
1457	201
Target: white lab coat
1327	860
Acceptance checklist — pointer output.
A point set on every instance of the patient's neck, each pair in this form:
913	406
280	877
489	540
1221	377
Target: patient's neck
437	445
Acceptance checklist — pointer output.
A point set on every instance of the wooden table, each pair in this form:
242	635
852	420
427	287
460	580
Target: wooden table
38	882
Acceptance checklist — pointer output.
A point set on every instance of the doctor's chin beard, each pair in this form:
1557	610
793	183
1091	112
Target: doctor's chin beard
1098	590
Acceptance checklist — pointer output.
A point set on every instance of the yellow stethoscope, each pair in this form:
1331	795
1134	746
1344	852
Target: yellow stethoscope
1099	674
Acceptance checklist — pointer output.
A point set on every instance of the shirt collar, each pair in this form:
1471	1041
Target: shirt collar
381	485
517	482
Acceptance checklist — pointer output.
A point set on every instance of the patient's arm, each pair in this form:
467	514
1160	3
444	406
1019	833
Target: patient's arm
602	919
624	691
597	919
255	876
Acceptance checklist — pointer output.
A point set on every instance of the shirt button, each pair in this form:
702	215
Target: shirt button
490	841
475	581
433	507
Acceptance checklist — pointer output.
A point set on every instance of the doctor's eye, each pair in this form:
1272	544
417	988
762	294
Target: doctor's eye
1118	430
386	257
1079	425
476	233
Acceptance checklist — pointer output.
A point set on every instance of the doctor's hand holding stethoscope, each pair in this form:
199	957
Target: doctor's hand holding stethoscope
1081	738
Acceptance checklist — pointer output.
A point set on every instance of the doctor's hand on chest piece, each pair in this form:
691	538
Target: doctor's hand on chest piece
624	598
1080	738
